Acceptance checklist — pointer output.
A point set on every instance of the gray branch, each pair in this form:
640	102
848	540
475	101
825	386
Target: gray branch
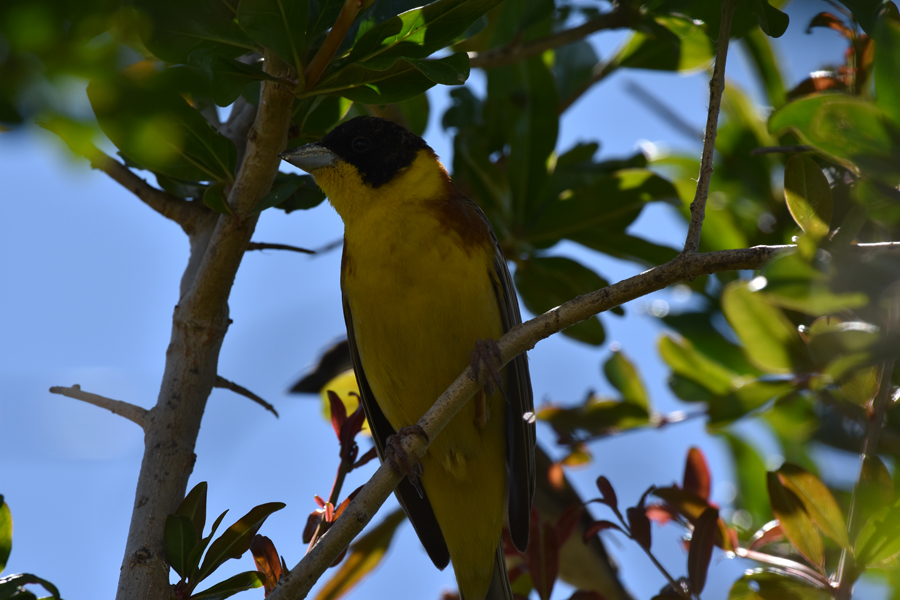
132	412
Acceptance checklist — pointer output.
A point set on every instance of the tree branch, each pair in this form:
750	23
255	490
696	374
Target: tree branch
716	86
621	16
332	43
132	412
223	383
198	328
268	246
181	211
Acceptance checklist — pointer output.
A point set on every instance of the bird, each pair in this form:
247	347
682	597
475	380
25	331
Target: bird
426	292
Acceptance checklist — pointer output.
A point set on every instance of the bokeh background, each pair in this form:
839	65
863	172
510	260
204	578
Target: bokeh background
89	278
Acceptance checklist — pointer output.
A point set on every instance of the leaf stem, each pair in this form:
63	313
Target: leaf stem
332	43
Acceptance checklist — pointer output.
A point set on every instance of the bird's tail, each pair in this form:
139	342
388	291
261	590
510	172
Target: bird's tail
499	589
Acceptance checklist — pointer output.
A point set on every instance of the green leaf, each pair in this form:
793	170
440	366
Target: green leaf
363	557
667	44
9	586
887	67
745	399
759	51
419	32
155	127
764	585
216	198
843	126
529	100
876	488
291	192
277	24
227	77
795	522
179	538
700	553
573	66
612	203
194	507
6	527
236	539
414	112
808	195
547	282
193	561
624	246
772	21
598	416
818	502
793	283
771	341
178	28
686	361
78	136
231	586
323	19
623	376
865	12
402	80
878	543
861	385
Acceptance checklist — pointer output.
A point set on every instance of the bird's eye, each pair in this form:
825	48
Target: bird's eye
361	144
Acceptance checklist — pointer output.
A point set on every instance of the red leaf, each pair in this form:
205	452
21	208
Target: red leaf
352	425
556	476
319	501
829	21
702	542
768	533
639	525
696	474
312	522
542	556
567	522
338	413
343	506
598	526
372	453
608	493
266	558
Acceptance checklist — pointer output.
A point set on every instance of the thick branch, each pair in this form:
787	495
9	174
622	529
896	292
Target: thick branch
716	86
332	43
516	51
198	328
240	390
181	211
132	412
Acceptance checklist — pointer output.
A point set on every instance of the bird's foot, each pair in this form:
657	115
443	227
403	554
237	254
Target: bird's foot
487	356
399	460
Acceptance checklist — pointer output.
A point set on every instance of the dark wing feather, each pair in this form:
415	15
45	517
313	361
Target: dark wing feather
417	508
520	433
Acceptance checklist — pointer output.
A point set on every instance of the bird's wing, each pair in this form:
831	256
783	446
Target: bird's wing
520	432
417	508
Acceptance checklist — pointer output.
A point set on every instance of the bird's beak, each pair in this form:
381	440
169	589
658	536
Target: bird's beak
309	157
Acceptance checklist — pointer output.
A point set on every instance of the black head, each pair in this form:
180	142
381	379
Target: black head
378	148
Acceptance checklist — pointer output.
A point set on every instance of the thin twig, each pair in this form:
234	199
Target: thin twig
268	246
132	412
330	246
181	211
223	383
780	150
514	52
716	86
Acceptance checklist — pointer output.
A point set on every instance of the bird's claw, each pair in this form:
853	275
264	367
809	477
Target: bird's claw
399	460
487	355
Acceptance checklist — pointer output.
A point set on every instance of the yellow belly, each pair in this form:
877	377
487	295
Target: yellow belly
418	309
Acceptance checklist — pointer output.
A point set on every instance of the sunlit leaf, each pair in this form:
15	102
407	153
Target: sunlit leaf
745	399
878	542
685	360
231	586
623	376
669	44
818	502
794	520
763	585
750	471
771	340
887	67
808	195
6	526
180	538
